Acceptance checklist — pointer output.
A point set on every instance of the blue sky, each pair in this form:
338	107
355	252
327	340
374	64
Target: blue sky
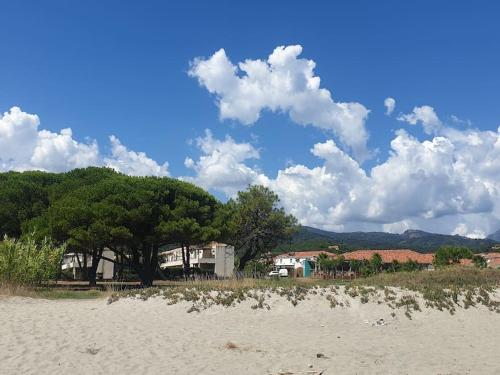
121	68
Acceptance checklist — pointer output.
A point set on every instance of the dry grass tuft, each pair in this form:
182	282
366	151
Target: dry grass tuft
443	289
447	277
10	290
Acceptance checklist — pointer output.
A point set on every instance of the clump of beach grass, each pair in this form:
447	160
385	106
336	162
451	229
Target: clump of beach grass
444	289
51	293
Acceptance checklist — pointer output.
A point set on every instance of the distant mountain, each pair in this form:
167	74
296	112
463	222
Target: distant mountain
309	238
495	236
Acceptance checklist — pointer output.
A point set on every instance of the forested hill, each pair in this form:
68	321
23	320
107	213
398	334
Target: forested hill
309	238
495	236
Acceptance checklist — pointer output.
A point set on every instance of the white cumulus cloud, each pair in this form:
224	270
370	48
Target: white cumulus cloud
389	104
426	116
23	146
462	230
222	165
435	184
282	83
132	162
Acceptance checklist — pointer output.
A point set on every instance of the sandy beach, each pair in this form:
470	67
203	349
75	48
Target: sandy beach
150	337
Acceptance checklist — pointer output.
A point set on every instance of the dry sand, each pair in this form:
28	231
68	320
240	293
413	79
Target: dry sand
151	337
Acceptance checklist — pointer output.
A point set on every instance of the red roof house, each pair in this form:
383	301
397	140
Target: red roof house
388	256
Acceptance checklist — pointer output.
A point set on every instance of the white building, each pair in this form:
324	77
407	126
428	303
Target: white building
72	262
214	257
300	263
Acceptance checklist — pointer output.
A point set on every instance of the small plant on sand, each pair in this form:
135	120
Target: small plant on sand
409	303
333	301
352	291
447	288
147	293
260	302
230	345
193	308
469	299
366	293
389	295
440	299
485	299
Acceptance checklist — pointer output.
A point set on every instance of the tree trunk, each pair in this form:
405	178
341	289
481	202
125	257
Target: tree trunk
147	278
119	271
244	260
92	273
138	267
79	266
183	253
147	270
185	260
84	270
188	261
150	265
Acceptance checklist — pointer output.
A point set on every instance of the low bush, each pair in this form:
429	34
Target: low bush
27	263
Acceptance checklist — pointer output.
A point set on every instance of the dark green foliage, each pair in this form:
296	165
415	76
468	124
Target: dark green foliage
376	263
257	223
356	265
23	196
330	264
191	219
255	268
95	208
395	266
447	255
479	261
26	263
410	266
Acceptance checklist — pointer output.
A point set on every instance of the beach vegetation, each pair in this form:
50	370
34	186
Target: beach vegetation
92	210
448	255
26	262
257	223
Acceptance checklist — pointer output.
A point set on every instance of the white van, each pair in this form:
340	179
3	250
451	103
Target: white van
279	273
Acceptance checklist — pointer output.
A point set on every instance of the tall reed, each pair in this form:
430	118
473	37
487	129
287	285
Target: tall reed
24	262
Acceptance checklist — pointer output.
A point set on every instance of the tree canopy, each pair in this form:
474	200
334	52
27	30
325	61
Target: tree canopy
447	255
93	209
96	208
257	223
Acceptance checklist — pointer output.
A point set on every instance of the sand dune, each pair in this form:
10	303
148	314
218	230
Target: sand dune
152	337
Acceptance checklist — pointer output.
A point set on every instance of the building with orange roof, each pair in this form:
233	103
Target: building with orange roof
300	263
390	256
305	262
310	254
492	259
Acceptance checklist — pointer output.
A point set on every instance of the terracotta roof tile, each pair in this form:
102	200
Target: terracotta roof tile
466	262
305	254
492	259
388	256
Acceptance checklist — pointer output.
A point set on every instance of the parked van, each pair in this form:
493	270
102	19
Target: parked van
279	273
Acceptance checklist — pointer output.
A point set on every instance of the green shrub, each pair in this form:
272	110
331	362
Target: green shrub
254	267
479	261
447	255
24	262
410	266
376	263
